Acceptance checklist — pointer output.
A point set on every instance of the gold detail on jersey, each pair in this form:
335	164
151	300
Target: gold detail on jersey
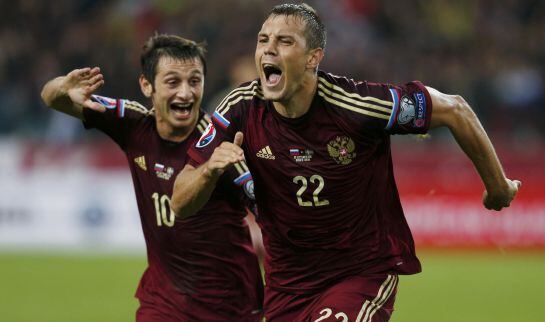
141	162
265	153
354	95
247	92
239	168
366	105
341	149
200	128
163	212
244	166
326	312
203	123
316	178
369	308
135	106
356	102
352	108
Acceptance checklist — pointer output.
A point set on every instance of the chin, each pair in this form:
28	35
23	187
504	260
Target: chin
182	123
273	95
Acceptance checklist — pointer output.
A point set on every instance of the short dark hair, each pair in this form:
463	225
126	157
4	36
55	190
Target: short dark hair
168	46
315	32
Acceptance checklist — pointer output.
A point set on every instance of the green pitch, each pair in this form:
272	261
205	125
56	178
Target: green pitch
454	287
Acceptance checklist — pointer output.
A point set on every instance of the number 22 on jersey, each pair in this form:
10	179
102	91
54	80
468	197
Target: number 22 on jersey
316	180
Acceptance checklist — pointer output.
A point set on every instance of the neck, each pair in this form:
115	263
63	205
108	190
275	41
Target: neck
170	133
299	103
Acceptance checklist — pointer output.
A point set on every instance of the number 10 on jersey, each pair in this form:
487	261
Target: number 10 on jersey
162	210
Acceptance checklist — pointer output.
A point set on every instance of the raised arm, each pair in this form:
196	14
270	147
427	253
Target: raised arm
193	186
455	113
71	93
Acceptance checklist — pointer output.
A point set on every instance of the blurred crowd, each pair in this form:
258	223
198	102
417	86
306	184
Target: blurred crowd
490	52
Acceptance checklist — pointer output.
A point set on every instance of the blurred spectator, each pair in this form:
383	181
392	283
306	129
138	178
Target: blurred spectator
488	51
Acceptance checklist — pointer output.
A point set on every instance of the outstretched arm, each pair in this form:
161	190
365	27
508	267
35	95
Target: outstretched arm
193	186
455	113
71	93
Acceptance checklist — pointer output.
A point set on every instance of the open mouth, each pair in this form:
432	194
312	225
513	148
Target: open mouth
181	110
273	74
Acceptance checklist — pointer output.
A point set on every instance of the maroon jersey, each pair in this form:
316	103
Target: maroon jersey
206	259
324	183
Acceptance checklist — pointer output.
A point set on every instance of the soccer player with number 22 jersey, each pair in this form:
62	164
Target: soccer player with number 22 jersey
318	147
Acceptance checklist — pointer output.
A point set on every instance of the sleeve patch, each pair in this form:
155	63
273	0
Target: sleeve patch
207	136
247	183
406	110
222	121
109	103
420	117
410	109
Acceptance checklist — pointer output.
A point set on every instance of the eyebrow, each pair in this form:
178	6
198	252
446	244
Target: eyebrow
194	72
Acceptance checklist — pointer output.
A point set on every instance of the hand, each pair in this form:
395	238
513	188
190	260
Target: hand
497	201
224	156
79	84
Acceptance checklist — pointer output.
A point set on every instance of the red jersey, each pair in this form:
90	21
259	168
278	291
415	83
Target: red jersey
324	182
208	257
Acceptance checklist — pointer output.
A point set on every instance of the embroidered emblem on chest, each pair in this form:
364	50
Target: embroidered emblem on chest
342	150
141	162
301	155
163	172
266	153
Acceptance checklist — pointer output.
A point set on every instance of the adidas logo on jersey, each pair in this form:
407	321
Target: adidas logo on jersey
141	162
266	153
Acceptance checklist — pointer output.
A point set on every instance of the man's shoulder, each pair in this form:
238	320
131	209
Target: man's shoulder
360	97
244	95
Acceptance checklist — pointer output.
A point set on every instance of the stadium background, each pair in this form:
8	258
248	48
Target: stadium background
70	243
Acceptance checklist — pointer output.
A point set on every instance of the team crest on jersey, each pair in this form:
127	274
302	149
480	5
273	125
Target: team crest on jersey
301	155
342	150
163	172
207	136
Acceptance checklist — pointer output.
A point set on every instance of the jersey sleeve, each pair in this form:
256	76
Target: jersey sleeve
117	121
378	108
226	121
411	109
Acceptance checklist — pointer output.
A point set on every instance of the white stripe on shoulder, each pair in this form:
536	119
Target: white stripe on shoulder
357	96
246	93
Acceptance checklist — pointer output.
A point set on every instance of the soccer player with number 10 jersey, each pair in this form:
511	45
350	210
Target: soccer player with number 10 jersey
201	268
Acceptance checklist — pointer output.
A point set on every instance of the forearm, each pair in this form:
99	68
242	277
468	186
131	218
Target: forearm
55	96
473	140
192	190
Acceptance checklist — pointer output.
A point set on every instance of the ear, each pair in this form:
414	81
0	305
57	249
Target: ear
315	58
145	86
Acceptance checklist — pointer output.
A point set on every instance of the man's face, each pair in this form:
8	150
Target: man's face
178	90
281	56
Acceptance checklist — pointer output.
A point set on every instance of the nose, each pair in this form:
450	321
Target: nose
184	92
270	48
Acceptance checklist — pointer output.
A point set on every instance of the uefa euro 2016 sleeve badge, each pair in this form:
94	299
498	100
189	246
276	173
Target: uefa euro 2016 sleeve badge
342	150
